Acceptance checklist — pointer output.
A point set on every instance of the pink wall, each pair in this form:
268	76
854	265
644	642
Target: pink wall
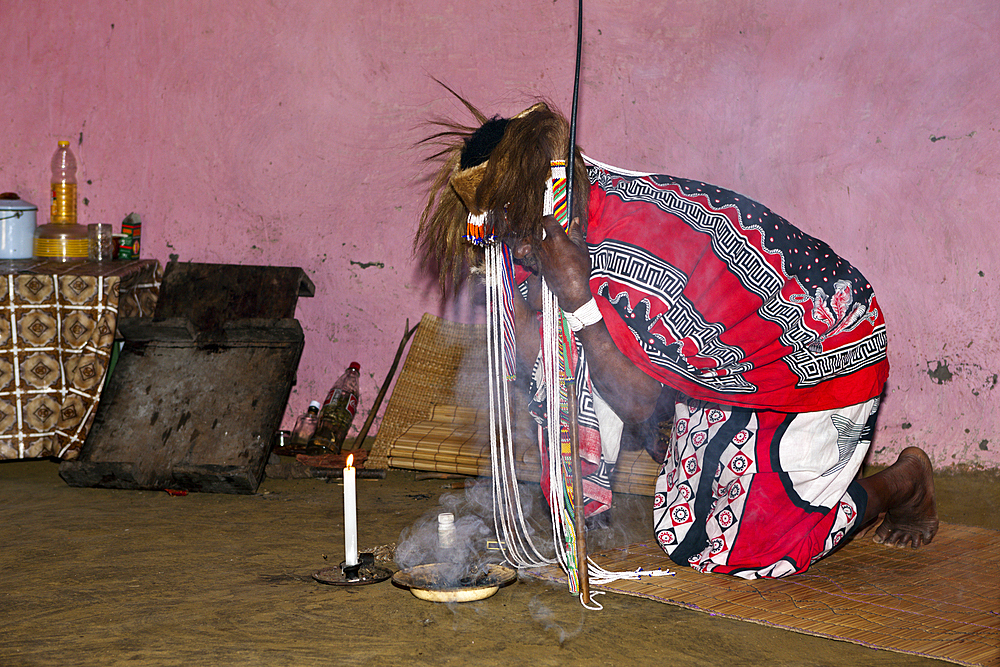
281	131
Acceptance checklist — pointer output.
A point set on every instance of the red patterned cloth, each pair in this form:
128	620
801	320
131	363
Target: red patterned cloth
759	493
717	296
780	345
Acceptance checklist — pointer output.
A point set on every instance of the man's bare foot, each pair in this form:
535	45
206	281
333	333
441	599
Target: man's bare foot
907	490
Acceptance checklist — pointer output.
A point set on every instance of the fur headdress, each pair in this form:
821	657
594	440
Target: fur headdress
500	168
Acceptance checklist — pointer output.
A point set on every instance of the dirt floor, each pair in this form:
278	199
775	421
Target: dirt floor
112	577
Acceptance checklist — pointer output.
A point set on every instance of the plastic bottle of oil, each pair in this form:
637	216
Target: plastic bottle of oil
62	238
63	186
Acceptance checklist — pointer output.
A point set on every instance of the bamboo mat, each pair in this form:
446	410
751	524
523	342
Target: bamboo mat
940	601
446	364
450	442
455	440
432	422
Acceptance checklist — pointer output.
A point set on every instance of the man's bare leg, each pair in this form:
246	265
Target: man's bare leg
905	493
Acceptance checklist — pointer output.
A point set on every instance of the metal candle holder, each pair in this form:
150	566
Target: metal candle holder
365	572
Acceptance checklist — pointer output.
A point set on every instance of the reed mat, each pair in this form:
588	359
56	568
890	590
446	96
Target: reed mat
436	419
455	440
939	601
446	364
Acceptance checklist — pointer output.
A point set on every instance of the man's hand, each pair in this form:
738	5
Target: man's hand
564	262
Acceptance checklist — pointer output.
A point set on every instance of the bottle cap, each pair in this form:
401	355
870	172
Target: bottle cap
63	143
315	404
446	519
355	365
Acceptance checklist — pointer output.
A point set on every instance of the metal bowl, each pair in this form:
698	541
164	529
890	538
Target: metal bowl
427	583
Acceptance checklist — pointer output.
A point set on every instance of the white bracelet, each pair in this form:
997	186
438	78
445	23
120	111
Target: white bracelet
584	316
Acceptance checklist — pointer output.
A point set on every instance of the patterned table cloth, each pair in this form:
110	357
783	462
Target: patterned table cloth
57	330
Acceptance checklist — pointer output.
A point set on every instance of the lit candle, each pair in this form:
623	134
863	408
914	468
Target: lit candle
350	515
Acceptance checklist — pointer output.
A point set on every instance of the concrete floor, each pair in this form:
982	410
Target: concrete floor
111	577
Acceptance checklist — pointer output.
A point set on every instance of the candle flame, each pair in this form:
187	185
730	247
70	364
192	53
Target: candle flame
350	460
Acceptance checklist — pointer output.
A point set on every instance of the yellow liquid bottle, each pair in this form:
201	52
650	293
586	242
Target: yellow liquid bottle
63	211
62	238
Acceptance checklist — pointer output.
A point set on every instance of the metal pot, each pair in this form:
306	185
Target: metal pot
17	227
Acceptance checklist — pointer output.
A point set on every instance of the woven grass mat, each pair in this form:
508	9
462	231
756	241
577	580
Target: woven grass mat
434	420
940	601
446	364
455	440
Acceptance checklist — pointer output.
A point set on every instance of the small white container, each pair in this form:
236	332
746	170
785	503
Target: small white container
18	219
446	530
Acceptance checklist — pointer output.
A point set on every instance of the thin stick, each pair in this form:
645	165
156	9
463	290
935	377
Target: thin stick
385	385
578	518
574	436
571	158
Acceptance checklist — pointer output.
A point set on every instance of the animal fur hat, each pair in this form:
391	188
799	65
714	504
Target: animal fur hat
499	167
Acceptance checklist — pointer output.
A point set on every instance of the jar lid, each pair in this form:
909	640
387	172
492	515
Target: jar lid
9	201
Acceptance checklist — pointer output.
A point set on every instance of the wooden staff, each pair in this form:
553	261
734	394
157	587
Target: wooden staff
580	525
574	436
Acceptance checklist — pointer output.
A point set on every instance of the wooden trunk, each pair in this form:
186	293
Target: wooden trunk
194	401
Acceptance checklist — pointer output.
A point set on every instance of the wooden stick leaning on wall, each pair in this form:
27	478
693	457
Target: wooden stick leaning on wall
363	433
